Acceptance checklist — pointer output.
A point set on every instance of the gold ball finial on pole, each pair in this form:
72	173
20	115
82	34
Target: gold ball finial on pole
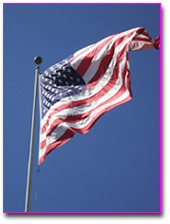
38	60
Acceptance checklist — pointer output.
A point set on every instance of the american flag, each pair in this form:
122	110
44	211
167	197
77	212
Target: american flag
75	92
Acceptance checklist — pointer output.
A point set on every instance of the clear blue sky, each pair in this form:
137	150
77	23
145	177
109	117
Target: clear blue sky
116	166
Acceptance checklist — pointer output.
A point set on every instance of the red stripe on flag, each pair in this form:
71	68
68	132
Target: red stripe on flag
62	140
73	58
42	144
85	63
142	39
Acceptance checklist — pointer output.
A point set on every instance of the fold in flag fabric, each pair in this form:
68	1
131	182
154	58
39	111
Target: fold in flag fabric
75	92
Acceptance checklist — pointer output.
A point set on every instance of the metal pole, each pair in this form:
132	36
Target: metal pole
37	60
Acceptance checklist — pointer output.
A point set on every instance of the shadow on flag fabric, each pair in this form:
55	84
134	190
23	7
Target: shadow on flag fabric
75	92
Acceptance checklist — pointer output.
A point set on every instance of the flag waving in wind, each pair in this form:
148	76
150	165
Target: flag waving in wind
75	92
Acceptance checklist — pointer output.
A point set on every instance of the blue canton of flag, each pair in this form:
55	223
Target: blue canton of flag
57	82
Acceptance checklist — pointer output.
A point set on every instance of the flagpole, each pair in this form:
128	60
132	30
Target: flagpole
38	61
